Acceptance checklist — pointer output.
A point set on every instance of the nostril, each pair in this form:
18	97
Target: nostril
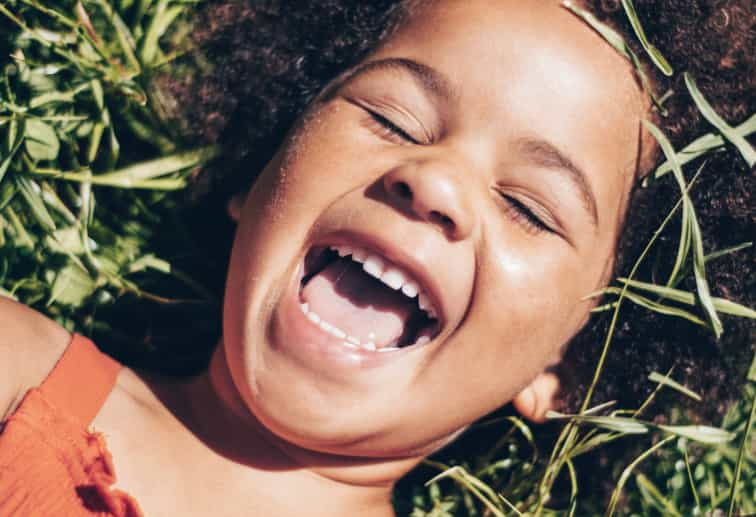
401	189
442	220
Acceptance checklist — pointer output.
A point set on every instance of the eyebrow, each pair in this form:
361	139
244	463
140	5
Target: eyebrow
430	79
545	154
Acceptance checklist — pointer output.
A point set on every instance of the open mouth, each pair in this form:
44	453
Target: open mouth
361	298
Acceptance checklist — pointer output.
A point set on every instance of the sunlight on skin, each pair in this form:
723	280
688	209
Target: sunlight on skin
478	131
500	234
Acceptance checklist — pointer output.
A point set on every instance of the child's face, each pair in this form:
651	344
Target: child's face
501	195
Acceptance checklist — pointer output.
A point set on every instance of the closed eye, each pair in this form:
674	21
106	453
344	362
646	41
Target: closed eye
387	130
523	215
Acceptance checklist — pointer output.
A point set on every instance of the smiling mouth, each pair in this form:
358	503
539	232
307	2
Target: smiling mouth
364	300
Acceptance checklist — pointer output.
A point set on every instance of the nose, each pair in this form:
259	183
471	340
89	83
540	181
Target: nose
433	192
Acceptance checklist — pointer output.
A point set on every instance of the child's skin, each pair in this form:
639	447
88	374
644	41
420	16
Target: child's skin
287	421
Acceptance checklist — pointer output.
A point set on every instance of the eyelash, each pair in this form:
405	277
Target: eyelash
524	216
517	210
387	130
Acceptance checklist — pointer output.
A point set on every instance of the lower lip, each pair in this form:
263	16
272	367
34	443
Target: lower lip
296	336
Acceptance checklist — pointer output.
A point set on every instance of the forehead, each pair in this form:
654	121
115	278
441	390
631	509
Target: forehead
530	66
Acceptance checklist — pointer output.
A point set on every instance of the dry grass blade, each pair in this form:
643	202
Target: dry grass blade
656	57
720	304
649	304
746	150
699	433
699	269
613	423
665	380
709	142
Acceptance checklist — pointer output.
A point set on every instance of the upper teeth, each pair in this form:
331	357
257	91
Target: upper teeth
390	274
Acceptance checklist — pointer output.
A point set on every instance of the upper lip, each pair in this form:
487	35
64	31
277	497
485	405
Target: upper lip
398	255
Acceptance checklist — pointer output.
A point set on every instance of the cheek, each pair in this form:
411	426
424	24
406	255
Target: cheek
531	291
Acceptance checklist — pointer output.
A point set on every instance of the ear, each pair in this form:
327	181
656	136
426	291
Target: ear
234	206
538	397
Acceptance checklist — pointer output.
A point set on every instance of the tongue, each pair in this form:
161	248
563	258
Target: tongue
345	296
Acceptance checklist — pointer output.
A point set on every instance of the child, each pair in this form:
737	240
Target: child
446	182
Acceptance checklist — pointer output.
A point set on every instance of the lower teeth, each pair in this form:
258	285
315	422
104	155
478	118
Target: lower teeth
351	341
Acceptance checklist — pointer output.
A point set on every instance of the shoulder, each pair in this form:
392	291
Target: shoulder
30	345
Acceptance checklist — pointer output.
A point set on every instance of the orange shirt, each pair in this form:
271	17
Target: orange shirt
51	464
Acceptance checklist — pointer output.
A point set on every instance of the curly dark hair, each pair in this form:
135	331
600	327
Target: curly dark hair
264	61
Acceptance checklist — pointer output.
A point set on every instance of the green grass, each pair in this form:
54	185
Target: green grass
92	175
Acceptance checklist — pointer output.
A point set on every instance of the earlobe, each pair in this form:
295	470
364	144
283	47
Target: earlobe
234	206
538	397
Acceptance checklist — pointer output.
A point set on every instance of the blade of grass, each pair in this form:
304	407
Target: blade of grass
115	148
700	146
64	97
125	38
33	34
52	13
665	380
517	424
21	237
684	244
569	433
649	491
573	488
690	479
739	462
480	490
618	424
727	251
600	407
683	249
699	269
699	433
629	469
141	9
746	150
618	43
651	397
30	192
720	304
615	315
594	441
651	305
105	181
162	166
52	200
14	144
159	24
510	505
656	57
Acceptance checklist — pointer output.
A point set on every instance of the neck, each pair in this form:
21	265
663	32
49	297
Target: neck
324	484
